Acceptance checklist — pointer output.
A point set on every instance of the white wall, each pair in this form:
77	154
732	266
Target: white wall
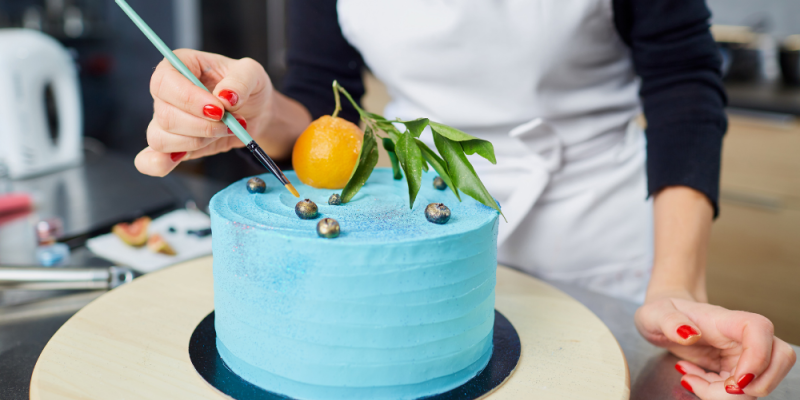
783	15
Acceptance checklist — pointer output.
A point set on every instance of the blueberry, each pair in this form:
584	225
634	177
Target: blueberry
306	209
256	185
437	213
328	228
439	184
335	200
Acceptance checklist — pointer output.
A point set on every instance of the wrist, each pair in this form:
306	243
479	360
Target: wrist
660	293
284	119
678	281
682	218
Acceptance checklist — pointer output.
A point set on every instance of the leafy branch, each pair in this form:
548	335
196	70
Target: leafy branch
410	156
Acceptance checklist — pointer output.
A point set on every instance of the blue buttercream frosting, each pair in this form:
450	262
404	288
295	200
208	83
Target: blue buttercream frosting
396	307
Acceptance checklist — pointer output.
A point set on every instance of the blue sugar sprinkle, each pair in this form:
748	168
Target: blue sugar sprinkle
378	213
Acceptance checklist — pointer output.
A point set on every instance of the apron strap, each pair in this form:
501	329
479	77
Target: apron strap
538	169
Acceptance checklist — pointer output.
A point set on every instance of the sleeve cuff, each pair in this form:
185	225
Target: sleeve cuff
688	155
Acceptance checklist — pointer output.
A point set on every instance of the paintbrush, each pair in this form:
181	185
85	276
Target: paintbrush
228	118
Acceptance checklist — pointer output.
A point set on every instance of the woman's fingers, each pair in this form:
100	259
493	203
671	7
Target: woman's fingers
162	141
167	142
219	146
242	78
168	85
709	390
752	333
782	359
689	368
154	163
174	120
755	333
754	361
187	119
661	317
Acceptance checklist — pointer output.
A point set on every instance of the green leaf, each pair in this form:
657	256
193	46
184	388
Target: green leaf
461	171
439	165
388	144
364	166
451	133
469	143
389	128
416	126
484	149
374	116
412	156
411	160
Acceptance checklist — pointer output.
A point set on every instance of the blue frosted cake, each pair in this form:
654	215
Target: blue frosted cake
396	307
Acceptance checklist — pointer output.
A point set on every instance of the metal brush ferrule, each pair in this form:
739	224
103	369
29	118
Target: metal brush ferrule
267	162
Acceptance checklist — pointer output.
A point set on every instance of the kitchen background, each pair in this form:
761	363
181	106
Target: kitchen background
778	16
754	262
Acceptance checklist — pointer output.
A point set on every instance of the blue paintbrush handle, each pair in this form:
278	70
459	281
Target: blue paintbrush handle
176	62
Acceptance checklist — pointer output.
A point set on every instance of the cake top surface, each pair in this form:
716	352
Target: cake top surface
378	213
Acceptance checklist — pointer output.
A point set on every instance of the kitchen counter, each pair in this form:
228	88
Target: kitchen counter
767	96
26	325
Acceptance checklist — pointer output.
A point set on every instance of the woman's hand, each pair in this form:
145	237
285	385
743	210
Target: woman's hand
739	347
187	120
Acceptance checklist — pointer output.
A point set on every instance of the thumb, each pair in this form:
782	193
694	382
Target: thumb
154	163
662	320
243	78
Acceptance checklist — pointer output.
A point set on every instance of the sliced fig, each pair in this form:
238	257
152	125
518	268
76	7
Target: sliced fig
135	233
157	244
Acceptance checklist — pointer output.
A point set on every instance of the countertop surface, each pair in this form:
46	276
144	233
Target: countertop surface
764	96
28	320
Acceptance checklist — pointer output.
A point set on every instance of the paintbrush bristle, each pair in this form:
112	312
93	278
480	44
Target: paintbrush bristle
293	190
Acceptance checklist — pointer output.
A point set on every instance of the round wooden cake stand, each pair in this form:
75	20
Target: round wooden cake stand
133	342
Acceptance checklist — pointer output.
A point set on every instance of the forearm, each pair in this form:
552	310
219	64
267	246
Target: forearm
286	120
682	218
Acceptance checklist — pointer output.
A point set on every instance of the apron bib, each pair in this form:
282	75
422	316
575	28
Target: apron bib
551	85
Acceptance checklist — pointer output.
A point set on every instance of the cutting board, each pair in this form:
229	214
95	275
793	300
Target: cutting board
133	343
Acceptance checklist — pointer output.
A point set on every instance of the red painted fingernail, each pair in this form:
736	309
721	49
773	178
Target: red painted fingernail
685	331
229	95
213	112
680	369
687	386
733	390
177	156
242	122
745	380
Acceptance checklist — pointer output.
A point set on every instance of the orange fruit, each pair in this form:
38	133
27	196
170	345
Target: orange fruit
326	152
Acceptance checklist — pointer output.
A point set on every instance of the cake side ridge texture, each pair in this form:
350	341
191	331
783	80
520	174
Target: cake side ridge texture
396	307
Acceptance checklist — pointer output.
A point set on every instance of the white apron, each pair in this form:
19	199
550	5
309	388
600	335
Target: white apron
552	86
